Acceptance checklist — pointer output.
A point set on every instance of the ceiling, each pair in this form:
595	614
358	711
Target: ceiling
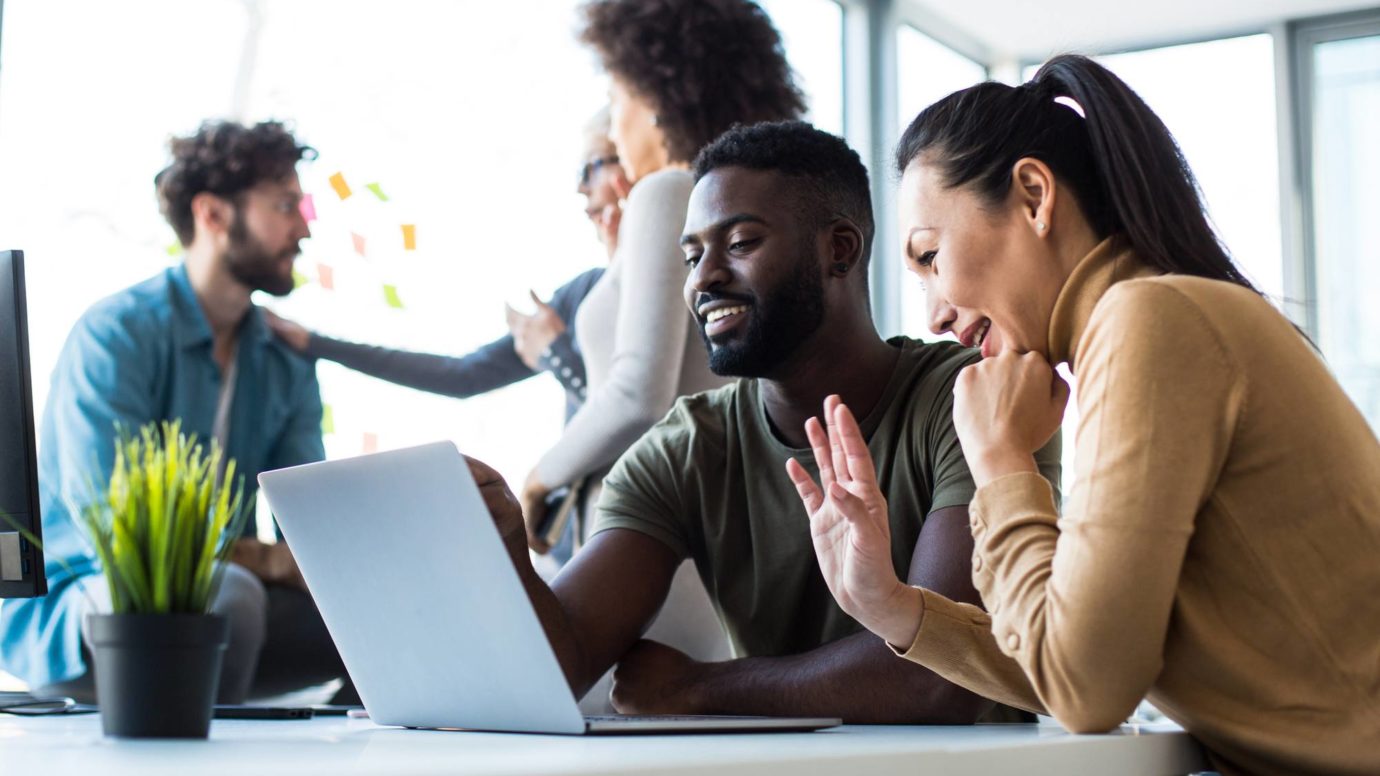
1007	30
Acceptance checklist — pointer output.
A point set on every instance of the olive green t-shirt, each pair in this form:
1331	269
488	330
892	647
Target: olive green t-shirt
709	481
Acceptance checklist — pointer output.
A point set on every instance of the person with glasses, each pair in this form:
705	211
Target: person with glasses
543	342
188	344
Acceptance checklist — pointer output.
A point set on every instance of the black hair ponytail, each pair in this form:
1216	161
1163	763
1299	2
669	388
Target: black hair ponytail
1124	167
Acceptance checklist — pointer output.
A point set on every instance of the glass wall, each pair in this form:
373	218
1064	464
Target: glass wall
1218	98
481	168
1345	163
812	31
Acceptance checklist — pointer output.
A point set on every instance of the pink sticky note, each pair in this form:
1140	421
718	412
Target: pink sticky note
371	442
359	243
308	208
326	275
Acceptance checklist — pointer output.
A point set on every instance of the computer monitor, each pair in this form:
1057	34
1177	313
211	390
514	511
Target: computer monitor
21	561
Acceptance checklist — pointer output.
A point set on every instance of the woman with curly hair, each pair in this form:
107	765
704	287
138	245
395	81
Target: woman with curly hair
682	72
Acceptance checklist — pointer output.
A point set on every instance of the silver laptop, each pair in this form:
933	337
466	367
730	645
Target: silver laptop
425	606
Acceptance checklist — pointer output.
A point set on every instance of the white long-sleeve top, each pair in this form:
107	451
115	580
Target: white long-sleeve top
641	348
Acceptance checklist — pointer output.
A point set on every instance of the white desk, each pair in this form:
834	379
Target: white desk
61	745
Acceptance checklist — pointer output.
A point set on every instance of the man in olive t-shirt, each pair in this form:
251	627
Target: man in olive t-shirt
710	483
777	236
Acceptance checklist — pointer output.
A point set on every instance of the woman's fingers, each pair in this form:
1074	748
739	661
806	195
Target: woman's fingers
819	445
855	452
810	494
840	461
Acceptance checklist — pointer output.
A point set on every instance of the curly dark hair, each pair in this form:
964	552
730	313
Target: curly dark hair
225	159
704	65
832	178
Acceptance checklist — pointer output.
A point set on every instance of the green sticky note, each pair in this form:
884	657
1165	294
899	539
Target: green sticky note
390	295
175	249
299	280
378	192
327	419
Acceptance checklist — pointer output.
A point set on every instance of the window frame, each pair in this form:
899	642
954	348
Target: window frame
1302	37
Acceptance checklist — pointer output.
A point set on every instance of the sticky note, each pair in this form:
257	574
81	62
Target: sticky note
409	237
308	208
378	192
327	419
358	240
390	295
371	442
326	276
175	249
299	280
341	187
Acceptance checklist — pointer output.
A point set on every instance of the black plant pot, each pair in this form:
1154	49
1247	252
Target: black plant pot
157	674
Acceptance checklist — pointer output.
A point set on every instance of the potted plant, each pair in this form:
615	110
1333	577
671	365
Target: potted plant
162	528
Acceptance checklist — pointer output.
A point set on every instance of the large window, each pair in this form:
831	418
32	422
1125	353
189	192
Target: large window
1345	163
1218	98
405	97
482	167
812	31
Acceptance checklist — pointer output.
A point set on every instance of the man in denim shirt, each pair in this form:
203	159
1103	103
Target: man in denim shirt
188	344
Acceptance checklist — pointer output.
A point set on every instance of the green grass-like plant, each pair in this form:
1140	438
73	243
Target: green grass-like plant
165	522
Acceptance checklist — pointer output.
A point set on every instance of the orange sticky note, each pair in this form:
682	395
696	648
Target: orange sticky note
409	237
326	276
341	187
359	243
371	442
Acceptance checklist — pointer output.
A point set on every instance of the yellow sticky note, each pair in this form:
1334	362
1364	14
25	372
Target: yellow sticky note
299	280
409	237
341	187
175	249
327	419
390	295
378	192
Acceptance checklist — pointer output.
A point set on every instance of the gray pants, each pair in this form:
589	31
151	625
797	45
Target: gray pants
278	642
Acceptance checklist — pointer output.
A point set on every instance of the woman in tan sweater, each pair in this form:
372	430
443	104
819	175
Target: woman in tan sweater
1220	549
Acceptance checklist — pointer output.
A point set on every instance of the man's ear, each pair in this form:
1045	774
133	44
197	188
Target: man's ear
846	243
212	214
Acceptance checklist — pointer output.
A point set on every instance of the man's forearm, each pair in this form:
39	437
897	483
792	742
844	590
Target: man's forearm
856	678
569	652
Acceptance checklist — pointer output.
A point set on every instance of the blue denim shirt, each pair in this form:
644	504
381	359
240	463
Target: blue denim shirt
145	354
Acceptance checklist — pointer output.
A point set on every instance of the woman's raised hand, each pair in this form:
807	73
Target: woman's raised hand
850	528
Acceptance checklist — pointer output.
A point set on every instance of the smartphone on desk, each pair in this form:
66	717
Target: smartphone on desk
334	709
227	711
